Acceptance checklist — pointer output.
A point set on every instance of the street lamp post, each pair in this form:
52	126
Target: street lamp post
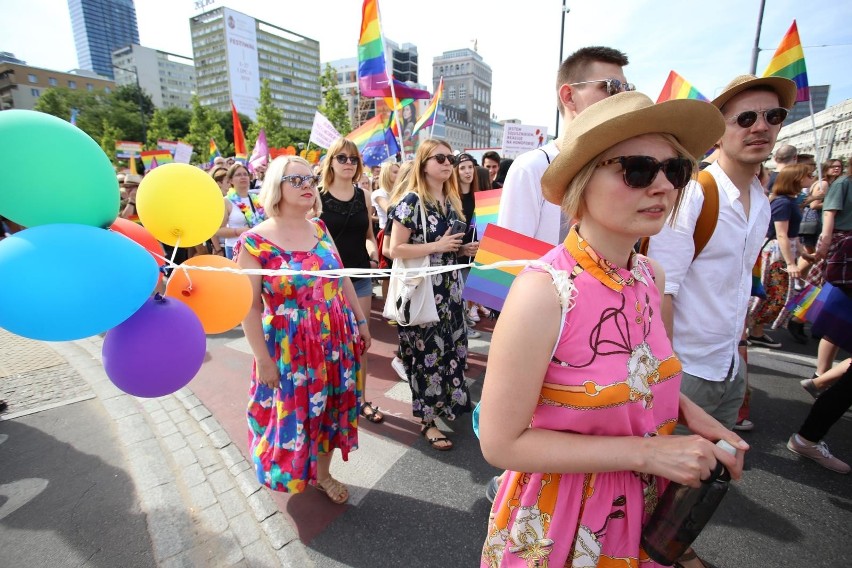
565	10
135	72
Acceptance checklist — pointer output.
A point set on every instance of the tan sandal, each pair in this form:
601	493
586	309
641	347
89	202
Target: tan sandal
334	490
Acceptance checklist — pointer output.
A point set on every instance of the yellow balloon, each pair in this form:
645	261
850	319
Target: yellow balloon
180	204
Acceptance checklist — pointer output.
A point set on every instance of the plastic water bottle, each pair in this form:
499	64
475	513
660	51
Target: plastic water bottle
683	512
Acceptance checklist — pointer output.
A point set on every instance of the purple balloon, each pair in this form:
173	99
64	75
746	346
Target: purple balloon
157	350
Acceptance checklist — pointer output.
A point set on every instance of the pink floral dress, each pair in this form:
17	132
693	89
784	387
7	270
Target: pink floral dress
613	373
311	332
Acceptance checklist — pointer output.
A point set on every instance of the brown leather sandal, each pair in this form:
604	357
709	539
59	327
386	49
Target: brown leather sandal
440	443
334	490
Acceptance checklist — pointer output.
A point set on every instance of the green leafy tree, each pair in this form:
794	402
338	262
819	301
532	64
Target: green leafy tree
136	96
108	137
158	129
178	121
199	129
333	105
269	118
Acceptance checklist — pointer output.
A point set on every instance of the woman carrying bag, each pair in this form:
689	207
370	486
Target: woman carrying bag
434	354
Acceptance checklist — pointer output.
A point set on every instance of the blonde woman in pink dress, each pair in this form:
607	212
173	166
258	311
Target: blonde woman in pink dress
582	389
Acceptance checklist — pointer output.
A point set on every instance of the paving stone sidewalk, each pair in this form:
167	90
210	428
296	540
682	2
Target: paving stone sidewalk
203	504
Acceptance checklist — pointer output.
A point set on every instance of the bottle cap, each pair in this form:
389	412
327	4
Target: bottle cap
724	445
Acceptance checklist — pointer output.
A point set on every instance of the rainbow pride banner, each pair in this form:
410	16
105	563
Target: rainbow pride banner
153	158
490	287
677	87
789	62
485	212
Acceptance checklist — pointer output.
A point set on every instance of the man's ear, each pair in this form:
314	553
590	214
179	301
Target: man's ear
566	96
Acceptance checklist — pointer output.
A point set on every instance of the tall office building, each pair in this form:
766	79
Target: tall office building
819	100
467	85
168	79
101	26
234	52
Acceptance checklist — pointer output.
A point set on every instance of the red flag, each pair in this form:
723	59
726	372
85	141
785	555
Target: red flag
240	153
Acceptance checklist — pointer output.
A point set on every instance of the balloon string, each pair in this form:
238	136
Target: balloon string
174	251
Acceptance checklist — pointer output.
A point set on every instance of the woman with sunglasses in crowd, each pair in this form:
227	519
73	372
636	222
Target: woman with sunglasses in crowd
308	335
434	355
242	209
346	213
582	387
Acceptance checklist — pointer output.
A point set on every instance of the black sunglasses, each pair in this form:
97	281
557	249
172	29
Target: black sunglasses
299	181
613	86
441	158
773	117
341	159
640	171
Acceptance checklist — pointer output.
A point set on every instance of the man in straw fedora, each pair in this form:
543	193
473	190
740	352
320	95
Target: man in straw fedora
584	434
707	294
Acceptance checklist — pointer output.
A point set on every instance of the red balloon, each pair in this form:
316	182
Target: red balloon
141	236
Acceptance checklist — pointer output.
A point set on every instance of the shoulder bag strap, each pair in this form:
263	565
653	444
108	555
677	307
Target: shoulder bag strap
709	215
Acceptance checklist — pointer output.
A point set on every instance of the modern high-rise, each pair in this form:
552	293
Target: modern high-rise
467	85
168	79
101	26
802	109
234	53
402	60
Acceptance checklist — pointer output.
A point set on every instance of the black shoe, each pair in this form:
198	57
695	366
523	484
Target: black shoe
764	341
3	405
797	330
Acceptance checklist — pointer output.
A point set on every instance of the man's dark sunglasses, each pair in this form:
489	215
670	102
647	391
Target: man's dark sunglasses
640	171
773	117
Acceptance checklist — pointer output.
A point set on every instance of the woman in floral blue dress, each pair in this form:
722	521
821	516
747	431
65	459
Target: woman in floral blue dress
434	355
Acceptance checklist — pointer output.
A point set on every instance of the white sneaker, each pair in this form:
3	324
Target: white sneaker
473	314
397	366
472	333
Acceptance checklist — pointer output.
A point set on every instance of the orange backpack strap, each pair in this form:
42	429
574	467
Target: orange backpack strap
706	223
709	215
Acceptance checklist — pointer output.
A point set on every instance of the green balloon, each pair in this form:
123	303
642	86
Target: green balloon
53	172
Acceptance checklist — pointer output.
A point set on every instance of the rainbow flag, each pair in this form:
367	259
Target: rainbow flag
677	87
375	140
153	158
490	287
214	151
485	211
373	79
240	153
789	62
428	117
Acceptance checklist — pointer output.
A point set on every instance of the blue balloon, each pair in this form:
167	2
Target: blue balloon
62	282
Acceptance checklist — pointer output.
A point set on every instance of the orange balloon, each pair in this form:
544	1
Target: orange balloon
219	299
141	236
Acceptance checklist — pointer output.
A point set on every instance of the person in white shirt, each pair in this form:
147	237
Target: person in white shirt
587	76
707	297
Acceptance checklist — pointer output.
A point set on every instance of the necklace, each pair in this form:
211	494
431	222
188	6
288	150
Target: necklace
252	210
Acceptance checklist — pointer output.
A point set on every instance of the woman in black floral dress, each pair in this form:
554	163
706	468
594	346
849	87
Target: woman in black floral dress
434	355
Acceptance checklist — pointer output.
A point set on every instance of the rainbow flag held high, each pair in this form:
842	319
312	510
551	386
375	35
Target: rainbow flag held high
375	140
428	117
789	62
677	87
153	158
214	151
373	79
240	153
490	287
485	211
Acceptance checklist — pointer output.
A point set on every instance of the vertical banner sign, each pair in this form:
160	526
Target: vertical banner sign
243	69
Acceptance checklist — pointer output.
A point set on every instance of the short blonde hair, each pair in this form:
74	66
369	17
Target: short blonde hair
270	191
572	202
385	175
345	146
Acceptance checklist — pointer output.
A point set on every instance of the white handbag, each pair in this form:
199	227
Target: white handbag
411	300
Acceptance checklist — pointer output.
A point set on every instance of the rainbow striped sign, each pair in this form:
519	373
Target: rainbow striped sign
487	205
490	287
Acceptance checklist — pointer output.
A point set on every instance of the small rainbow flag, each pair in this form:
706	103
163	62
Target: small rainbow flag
490	287
428	117
240	153
677	87
214	151
487	205
789	62
153	158
375	140
373	78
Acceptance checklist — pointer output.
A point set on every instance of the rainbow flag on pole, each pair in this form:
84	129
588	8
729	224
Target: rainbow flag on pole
375	140
490	287
487	203
428	117
214	151
677	87
373	79
789	62
153	158
240	153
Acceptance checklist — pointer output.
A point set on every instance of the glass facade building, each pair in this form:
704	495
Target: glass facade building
100	27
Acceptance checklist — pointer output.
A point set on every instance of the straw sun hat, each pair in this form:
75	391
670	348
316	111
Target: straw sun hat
784	88
697	125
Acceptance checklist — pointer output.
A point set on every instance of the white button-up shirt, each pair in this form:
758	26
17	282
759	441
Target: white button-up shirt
711	294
